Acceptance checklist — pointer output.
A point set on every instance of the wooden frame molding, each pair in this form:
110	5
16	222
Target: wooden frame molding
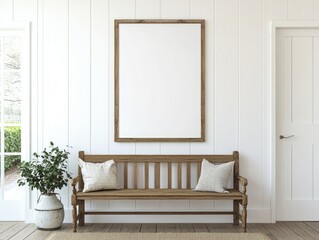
201	134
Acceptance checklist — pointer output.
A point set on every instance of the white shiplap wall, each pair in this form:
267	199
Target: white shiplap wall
72	85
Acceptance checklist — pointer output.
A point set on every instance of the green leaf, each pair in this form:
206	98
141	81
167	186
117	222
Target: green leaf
47	174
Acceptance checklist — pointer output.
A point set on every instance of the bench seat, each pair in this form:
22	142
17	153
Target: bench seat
158	194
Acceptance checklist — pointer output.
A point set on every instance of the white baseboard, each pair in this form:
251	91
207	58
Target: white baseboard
258	215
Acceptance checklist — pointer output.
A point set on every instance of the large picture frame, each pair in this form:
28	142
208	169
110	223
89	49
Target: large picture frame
159	80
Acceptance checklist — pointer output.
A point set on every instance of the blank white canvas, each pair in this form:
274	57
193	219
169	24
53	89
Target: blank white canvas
159	80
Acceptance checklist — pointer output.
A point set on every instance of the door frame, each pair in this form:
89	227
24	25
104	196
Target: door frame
274	26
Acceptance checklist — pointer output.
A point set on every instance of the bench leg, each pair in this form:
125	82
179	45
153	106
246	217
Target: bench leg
81	213
74	213
244	213
236	213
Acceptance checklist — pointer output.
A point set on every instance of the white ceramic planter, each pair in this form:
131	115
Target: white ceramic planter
49	212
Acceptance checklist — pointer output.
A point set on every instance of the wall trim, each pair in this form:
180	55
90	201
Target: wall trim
275	25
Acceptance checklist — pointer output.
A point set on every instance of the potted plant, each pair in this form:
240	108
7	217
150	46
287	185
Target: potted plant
46	173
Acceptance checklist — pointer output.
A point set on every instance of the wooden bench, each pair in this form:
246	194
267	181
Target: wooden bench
181	191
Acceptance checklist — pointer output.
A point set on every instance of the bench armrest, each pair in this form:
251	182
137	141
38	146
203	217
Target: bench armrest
74	182
244	182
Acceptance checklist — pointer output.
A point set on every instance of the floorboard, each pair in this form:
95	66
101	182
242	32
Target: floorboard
289	233
148	227
116	227
13	230
298	227
5	225
313	225
278	231
275	231
186	227
25	232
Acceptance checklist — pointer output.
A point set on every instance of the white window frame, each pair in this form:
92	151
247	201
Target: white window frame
24	27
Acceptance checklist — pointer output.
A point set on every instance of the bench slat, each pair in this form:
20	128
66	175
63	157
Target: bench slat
188	176
157	174
169	175
135	175
146	185
199	167
125	175
179	175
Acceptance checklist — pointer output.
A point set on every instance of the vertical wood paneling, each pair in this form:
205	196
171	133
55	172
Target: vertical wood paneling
100	81
148	9
26	10
55	57
39	91
55	67
316	80
55	76
175	9
315	176
273	10
6	10
117	11
204	9
316	10
226	76
251	77
300	9
79	79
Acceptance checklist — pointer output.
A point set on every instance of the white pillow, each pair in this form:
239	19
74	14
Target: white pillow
214	178
98	176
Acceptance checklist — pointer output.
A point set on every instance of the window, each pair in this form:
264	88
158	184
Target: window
10	112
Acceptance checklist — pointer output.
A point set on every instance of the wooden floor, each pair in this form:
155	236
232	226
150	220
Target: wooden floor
279	231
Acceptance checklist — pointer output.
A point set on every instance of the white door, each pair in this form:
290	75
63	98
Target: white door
297	99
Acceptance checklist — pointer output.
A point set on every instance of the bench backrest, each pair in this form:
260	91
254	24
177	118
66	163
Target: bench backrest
178	169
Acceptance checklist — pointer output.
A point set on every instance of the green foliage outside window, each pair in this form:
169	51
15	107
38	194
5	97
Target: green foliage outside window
12	143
